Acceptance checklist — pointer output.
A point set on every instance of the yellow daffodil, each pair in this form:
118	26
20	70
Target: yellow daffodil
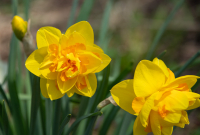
67	63
157	98
19	27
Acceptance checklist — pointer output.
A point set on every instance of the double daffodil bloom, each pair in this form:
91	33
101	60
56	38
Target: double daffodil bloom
157	98
67	63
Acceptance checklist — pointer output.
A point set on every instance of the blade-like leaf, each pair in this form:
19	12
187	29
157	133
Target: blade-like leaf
64	123
108	120
35	103
5	97
56	117
75	124
162	29
187	64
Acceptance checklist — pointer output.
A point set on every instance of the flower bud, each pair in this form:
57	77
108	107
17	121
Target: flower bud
19	27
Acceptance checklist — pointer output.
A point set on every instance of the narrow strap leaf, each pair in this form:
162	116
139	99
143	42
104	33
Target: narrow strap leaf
56	117
73	126
5	120
162	54
64	123
85	10
72	13
162	29
108	120
35	102
5	97
48	108
190	61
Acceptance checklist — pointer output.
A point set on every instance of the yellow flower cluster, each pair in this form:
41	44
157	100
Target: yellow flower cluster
157	98
67	63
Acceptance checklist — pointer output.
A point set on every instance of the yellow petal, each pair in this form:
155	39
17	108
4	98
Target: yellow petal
47	35
123	94
155	124
138	129
171	76
137	104
70	93
148	78
105	61
47	73
67	85
162	65
94	48
91	82
52	89
73	39
195	105
173	117
93	61
175	100
84	29
146	109
35	59
43	87
167	130
190	80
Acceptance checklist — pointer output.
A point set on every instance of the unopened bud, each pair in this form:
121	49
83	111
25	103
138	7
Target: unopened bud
19	27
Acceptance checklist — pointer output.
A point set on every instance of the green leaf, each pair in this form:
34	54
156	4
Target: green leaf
14	99
104	25
75	124
64	123
35	103
56	117
187	64
82	109
48	108
108	120
72	13
162	54
85	10
5	120
42	114
5	97
162	29
26	8
125	123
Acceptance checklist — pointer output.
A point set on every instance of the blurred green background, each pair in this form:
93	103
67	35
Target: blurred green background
125	29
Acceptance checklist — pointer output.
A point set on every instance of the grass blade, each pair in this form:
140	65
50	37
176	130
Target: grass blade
104	25
56	118
48	108
75	124
125	124
187	64
35	102
162	29
72	13
64	123
16	109
108	120
4	96
85	10
5	120
162	54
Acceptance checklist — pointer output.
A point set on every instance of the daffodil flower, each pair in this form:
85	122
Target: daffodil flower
157	98
67	63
